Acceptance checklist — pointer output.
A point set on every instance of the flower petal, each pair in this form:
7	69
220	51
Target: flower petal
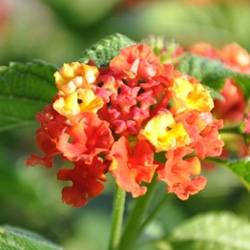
86	182
190	96
164	134
75	75
132	166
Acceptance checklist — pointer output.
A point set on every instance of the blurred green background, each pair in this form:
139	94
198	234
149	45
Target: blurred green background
57	31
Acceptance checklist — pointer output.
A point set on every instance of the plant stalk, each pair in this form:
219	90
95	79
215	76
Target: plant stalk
117	218
231	130
135	219
153	213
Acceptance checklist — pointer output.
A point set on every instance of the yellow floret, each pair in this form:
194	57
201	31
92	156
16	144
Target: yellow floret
83	100
164	134
75	75
189	96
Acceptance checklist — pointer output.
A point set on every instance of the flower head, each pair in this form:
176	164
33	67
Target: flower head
116	118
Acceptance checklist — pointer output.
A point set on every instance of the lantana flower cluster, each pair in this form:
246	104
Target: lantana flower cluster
119	118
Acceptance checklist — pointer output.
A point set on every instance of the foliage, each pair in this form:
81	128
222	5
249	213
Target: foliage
24	90
212	231
242	169
107	48
16	238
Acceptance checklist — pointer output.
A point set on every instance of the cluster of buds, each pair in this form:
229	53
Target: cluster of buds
118	118
168	51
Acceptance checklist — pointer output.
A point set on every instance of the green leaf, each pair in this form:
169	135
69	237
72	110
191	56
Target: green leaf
212	231
103	51
211	73
242	169
214	94
160	157
24	90
243	81
17	239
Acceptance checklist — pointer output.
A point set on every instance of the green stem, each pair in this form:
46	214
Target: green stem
135	219
151	216
117	218
218	161
231	130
